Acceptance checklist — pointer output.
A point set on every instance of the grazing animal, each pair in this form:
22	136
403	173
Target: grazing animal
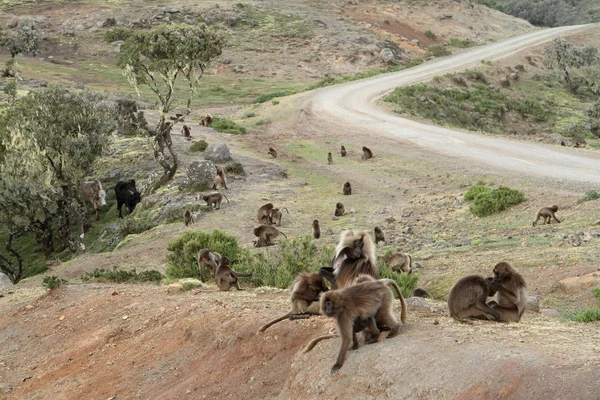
367	153
339	210
272	152
468	299
214	199
316	229
379	235
127	194
400	262
547	213
304	297
220	180
511	295
185	131
264	214
329	158
275	216
343	151
366	301
206	121
225	277
207	259
92	192
266	234
188	218
347	189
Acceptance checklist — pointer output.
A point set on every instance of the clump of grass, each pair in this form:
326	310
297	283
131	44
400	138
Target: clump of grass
590	314
275	102
438	50
591	195
488	201
116	34
199	146
137	223
250	114
430	34
227	126
121	276
53	282
406	282
235	168
461	44
270	96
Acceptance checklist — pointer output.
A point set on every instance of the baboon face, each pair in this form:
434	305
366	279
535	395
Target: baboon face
339	205
317	284
554	208
357	250
224	262
502	270
205	197
256	231
329	307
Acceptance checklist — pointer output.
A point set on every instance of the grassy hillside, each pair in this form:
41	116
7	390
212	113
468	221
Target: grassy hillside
549	12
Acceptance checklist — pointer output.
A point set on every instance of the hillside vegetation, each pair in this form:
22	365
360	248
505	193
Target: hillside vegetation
549	13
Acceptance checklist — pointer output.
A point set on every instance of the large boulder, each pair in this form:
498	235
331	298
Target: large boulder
5	282
202	174
580	283
217	153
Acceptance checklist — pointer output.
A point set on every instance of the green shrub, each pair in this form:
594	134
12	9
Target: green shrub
591	195
474	191
227	126
430	34
137	223
115	34
274	102
120	275
590	314
199	146
270	96
52	282
250	115
406	282
476	76
438	50
235	168
492	201
461	44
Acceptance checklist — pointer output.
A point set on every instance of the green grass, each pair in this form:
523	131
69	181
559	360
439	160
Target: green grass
122	276
199	146
227	126
590	314
461	44
438	50
591	195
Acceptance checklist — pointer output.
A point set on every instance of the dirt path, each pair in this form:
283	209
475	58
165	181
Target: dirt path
355	104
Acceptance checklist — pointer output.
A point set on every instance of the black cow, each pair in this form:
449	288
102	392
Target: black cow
127	194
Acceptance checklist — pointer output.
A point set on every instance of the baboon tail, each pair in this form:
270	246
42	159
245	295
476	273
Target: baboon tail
314	342
225	198
284	208
401	297
283	234
276	320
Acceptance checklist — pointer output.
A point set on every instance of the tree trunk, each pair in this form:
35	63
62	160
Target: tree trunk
163	140
12	269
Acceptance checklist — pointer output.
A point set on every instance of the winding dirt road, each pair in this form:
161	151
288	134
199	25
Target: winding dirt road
355	103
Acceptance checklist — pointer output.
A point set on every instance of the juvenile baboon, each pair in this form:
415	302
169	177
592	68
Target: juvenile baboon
347	189
511	296
316	229
547	213
343	151
265	235
400	262
468	299
339	210
272	152
418	292
264	213
225	277
379	235
304	296
329	158
365	301
275	216
185	131
214	199
207	259
206	121
188	218
220	180
355	255
367	153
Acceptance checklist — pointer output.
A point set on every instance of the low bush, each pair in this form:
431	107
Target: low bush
270	96
137	223
590	314
591	195
227	126
199	146
461	44
430	34
116	34
489	201
438	50
52	282
121	276
406	282
474	191
234	168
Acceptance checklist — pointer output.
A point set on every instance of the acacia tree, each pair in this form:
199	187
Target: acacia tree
157	59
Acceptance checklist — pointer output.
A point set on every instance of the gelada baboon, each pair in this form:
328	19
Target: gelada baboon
272	152
304	296
367	153
275	216
418	292
316	229
220	180
468	299
366	301
390	283
339	210
185	131
264	212
511	295
400	262
266	234
214	199
347	189
225	277
379	235
343	152
188	218
329	158
206	121
355	255
207	259
547	213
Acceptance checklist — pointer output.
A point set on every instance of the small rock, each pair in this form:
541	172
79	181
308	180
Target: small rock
417	304
550	313
436	322
125	317
533	303
408	230
29	307
415	42
114	293
226	60
426	257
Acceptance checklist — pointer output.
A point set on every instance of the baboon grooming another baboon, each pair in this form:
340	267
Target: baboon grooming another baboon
225	277
468	299
547	213
316	229
339	210
343	151
220	180
379	235
188	218
275	216
367	153
366	301
347	189
304	296
272	152
207	259
185	131
264	213
214	199
400	262
355	255
266	234
511	295
329	158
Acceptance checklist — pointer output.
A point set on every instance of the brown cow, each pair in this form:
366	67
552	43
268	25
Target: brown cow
92	192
